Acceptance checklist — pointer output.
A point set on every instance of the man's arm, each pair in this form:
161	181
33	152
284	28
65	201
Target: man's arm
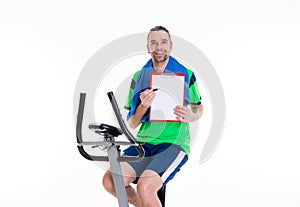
197	111
147	98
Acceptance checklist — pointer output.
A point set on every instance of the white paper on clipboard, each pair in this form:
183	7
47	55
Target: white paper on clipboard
170	93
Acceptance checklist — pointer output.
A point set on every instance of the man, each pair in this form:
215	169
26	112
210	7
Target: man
166	144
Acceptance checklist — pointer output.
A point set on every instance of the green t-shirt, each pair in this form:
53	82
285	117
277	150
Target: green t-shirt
167	132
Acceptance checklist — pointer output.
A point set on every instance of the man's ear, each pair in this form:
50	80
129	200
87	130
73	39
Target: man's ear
148	49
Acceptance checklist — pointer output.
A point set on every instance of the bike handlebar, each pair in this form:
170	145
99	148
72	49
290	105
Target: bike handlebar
124	129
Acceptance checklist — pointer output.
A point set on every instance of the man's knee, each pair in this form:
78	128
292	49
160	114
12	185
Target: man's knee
107	182
148	184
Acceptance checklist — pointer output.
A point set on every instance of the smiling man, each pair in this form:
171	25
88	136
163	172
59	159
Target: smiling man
159	46
166	144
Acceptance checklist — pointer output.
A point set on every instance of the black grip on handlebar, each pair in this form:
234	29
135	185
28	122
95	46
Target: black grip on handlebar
119	118
125	130
80	117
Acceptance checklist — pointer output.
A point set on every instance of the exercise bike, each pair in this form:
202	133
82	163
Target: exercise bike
113	148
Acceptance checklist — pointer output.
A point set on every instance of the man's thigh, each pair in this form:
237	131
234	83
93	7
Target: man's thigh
163	159
167	161
129	174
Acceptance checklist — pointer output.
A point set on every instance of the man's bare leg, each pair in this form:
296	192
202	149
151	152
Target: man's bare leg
148	185
128	177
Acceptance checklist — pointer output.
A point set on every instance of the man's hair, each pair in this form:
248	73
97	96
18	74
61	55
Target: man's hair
159	28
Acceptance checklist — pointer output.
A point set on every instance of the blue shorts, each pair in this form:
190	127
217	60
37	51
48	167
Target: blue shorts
164	159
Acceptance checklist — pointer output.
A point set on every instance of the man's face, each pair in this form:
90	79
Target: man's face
159	46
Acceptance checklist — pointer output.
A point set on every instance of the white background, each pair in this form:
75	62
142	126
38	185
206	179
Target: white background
254	47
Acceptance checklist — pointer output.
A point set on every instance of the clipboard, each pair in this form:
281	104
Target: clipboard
170	93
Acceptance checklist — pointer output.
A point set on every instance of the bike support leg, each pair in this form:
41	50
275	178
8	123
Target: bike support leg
113	154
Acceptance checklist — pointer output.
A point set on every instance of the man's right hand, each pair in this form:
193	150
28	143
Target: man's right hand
147	98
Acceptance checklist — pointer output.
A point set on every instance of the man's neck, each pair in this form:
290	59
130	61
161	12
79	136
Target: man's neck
160	66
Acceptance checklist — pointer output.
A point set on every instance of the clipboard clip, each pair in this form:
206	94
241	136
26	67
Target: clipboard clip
167	75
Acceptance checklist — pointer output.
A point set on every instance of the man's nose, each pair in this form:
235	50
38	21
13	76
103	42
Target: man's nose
158	46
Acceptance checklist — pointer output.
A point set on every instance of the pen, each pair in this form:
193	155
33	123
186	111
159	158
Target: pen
155	89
